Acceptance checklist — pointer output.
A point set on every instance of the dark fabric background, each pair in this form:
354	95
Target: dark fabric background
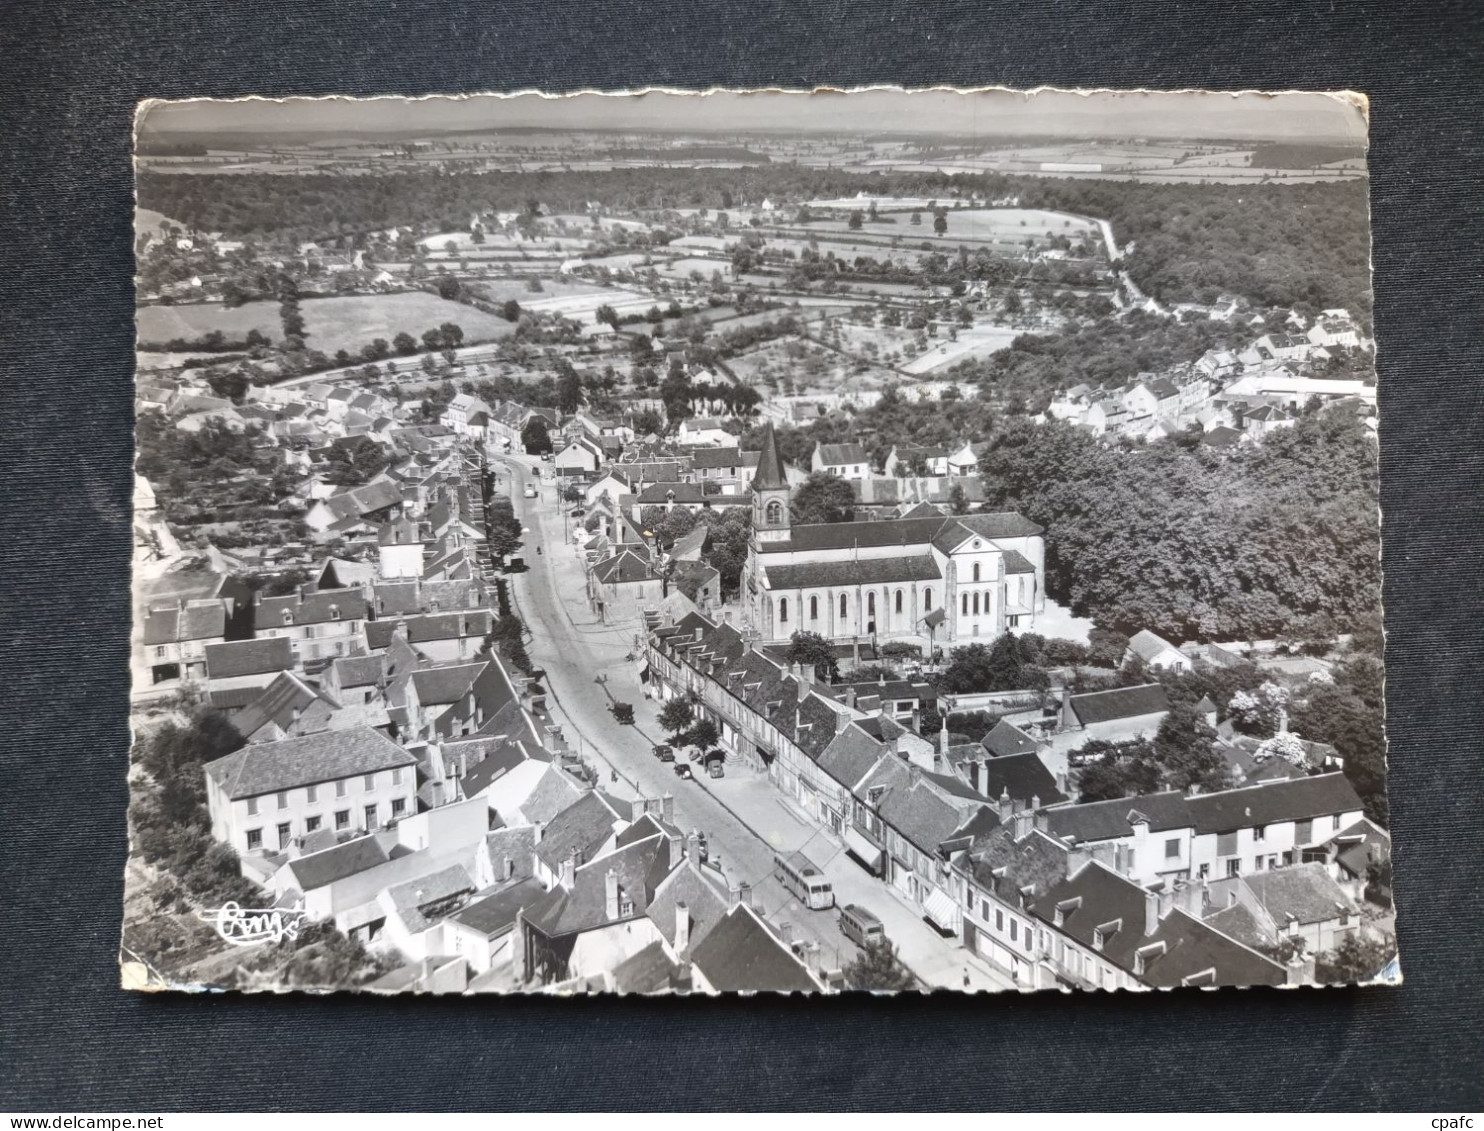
70	76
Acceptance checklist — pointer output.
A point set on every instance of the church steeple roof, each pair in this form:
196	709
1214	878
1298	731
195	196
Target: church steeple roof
770	473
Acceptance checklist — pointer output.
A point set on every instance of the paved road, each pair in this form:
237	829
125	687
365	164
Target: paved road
743	817
573	646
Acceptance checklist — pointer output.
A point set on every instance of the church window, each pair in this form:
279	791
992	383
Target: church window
966	604
774	513
899	600
927	600
870	604
813	608
976	571
976	604
843	611
783	611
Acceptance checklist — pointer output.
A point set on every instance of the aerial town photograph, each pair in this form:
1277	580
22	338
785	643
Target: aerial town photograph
808	542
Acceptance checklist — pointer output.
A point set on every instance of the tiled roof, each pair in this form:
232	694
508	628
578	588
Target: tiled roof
937	531
851	755
1185	951
741	955
1006	738
640	868
321	868
1119	703
248	657
770	470
705	904
1304	891
626	568
647	971
838	455
1108	820
1025	776
582	827
436	626
320	607
867	571
357	671
278	703
1294	799
328	756
442	685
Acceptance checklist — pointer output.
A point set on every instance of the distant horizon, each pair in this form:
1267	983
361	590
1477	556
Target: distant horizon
876	111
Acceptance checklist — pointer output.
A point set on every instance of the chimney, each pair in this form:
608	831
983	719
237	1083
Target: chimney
943	736
734	894
610	894
881	678
1151	912
1006	806
518	967
682	927
667	809
569	871
842	720
974	764
257	597
1023	822
693	848
1061	782
850	697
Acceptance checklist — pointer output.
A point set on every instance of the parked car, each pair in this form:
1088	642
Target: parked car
530	491
577	512
664	752
682	771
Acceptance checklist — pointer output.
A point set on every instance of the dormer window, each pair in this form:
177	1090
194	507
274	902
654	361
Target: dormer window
288	616
334	612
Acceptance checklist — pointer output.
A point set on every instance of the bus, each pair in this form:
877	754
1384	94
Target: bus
801	878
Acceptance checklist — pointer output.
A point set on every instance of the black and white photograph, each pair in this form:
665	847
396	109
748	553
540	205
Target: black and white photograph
730	542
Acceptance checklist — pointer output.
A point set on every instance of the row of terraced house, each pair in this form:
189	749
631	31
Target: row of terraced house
1163	890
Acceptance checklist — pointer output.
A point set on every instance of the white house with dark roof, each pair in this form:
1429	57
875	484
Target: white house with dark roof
318	623
263	796
176	636
848	461
1155	652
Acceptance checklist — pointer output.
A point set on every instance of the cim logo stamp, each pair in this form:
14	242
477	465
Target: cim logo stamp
248	926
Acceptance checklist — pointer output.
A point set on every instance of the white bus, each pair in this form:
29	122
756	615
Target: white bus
799	876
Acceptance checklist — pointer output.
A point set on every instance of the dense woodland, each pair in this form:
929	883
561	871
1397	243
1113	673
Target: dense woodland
1282	245
1249	544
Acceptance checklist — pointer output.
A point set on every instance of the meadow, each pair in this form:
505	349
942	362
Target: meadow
345	322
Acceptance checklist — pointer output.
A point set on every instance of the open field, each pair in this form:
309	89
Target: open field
345	322
975	342
973	225
499	290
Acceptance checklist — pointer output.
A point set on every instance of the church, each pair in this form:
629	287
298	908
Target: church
934	580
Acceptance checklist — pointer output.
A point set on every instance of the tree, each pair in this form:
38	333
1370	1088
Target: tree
703	735
916	219
878	969
569	389
958	501
855	222
452	334
1184	752
510	310
508	634
354	460
812	648
606	313
940	222
676	717
502	527
1358	958
536	437
1002	666
823	498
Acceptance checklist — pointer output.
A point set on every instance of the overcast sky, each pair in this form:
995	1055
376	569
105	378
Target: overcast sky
1284	116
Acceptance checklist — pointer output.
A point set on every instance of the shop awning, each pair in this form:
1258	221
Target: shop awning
940	909
863	850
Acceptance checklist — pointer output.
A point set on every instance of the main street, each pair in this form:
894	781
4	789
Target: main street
745	820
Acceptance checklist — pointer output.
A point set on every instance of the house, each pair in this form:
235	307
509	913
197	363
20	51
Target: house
400	549
467	415
1155	652
579	457
482	932
1163	836
708	431
176	634
238	670
318	623
721	465
1221	438
1117	715
1263	909
594	917
744	954
847	461
1217	364
904	459
263	796
1265	420
372	504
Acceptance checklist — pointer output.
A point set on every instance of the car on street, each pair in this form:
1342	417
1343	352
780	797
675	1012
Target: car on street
682	771
664	752
530	491
577	512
